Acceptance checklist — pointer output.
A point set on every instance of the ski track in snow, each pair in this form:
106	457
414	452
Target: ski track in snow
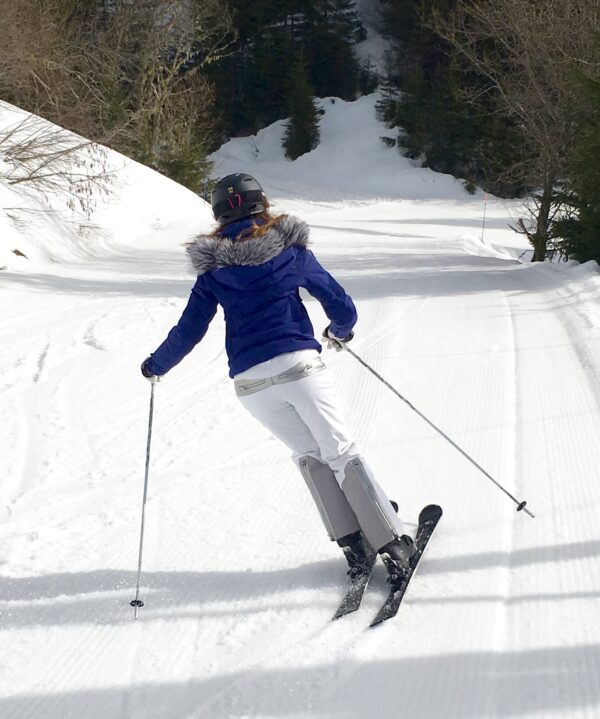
239	580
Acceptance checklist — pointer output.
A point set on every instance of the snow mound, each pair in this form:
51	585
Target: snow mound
480	247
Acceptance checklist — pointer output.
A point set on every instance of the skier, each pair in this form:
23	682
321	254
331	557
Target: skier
253	265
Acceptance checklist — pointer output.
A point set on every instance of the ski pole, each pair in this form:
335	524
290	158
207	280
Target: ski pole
137	602
520	505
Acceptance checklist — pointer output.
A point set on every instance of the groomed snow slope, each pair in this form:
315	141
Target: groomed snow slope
239	580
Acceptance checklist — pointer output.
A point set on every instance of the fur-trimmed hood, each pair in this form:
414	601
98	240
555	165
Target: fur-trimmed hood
208	252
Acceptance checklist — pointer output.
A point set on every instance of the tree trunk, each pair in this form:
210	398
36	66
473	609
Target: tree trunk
542	233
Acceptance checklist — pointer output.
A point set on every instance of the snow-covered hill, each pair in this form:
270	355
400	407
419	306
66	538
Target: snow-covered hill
239	580
351	162
143	209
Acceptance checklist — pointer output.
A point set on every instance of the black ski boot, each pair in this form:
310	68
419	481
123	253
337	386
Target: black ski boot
358	554
400	551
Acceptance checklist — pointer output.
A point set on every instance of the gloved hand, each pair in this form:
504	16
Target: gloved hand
146	372
333	342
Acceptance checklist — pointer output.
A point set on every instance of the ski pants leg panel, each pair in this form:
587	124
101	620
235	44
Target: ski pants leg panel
378	521
316	403
281	418
334	508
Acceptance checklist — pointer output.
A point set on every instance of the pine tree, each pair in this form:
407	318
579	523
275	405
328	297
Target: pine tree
578	236
332	29
430	104
251	83
302	131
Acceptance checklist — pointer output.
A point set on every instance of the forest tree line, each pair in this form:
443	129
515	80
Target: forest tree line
504	94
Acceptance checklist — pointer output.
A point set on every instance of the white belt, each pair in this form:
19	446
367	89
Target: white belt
244	387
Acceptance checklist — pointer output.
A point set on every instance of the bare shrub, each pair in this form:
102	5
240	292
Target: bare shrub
54	162
125	74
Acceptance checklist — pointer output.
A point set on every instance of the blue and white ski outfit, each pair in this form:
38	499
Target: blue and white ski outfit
275	361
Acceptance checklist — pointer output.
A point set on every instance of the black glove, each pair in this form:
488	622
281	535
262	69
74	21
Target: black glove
145	371
333	342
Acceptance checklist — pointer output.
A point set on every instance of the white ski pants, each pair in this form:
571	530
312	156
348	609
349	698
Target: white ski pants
304	414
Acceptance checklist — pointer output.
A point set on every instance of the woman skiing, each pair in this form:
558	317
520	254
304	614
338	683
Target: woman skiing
253	265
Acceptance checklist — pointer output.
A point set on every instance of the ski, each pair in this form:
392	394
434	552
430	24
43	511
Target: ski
428	519
358	584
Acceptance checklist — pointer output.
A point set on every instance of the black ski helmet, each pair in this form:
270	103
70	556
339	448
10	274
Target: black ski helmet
237	196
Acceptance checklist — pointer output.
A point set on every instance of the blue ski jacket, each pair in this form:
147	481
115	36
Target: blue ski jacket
256	280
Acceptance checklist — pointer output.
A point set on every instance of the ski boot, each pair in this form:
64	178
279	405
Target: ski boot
400	551
358	554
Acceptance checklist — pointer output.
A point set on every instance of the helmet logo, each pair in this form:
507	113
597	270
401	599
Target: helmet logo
235	201
230	190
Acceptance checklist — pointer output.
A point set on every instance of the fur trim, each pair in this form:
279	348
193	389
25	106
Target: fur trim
212	253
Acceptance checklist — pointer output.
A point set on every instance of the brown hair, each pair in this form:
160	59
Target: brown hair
263	222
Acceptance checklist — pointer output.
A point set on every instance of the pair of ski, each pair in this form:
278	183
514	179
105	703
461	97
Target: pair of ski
398	581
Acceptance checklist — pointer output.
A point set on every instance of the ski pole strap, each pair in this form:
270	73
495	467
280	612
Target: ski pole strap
521	506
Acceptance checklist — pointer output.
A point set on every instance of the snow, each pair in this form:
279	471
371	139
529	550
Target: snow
239	581
373	49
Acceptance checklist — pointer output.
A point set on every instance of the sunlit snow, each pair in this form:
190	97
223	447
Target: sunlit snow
239	579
